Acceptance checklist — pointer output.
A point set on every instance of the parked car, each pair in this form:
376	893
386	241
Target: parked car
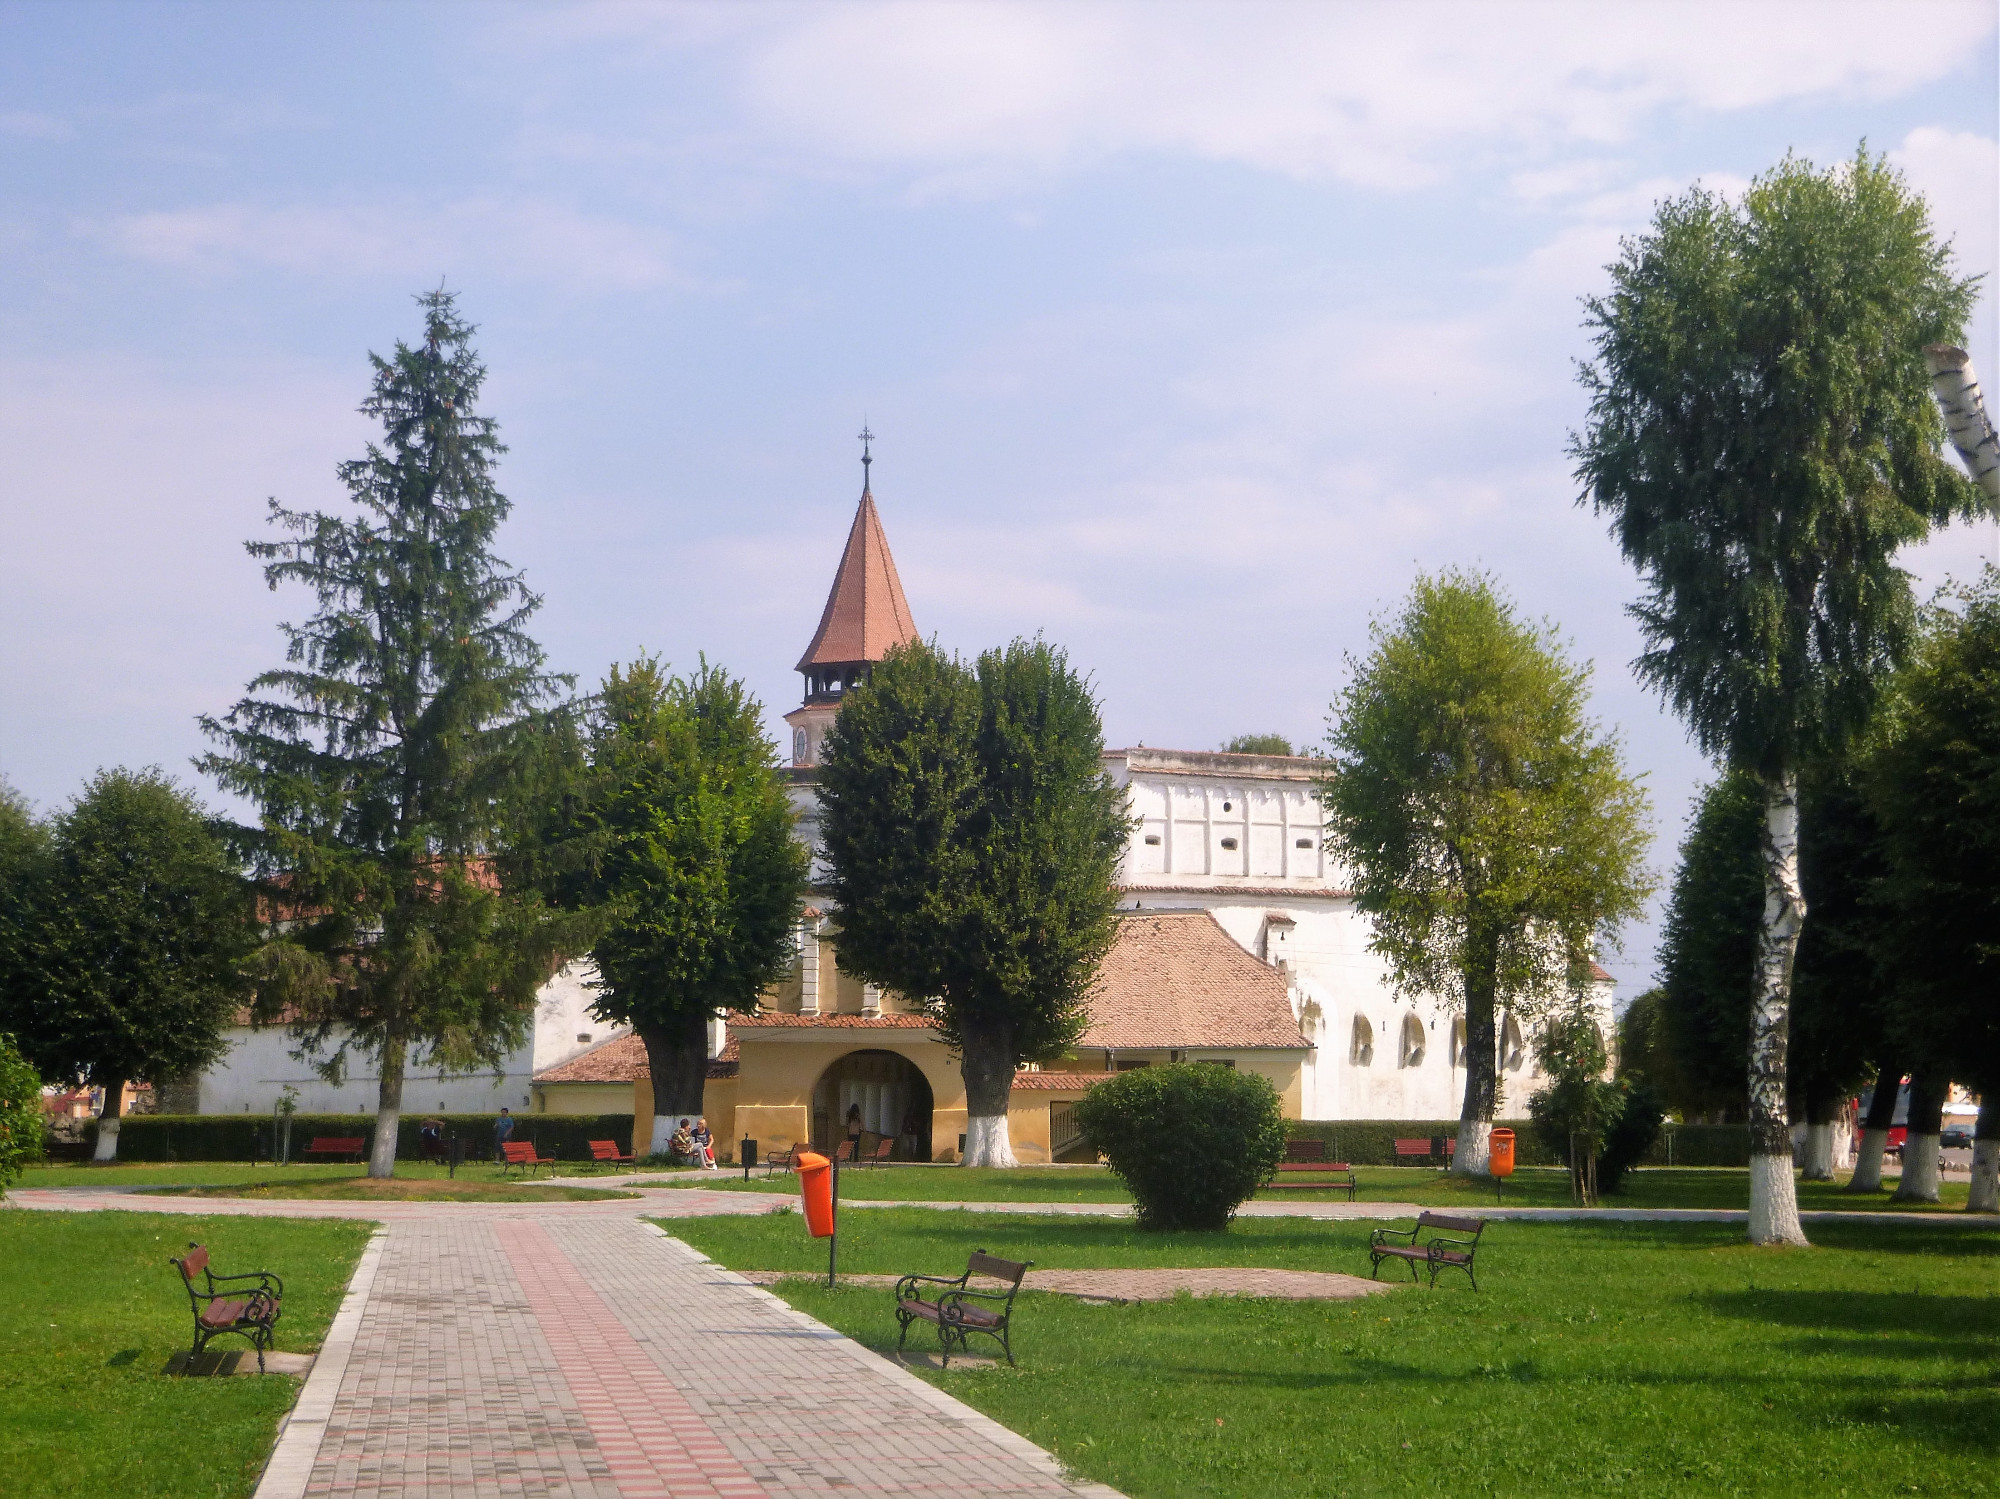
1956	1137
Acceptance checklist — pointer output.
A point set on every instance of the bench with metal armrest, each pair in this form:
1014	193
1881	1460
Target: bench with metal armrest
250	1311
1437	1240
956	1309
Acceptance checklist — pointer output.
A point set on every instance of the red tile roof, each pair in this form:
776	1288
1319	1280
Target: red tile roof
623	1060
1057	1082
1177	979
784	1021
866	613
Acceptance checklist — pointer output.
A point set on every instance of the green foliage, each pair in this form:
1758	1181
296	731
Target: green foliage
137	928
971	836
247	1137
1697	1038
1258	744
1764	436
20	1113
1632	1138
1492	831
1192	1140
1935	784
23	849
686	861
1579	1107
390	758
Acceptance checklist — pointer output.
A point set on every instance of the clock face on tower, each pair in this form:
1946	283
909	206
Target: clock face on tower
799	746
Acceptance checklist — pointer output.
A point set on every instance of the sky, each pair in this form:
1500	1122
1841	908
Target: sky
1190	334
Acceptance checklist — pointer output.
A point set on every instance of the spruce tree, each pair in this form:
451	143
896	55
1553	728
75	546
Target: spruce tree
392	757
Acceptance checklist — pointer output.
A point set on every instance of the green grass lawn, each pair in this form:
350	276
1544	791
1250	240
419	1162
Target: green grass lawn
1635	1358
90	1315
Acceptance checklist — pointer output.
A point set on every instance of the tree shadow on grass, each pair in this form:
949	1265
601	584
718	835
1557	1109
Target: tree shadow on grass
1970	1324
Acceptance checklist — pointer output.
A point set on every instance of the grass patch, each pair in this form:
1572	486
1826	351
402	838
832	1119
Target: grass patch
1640	1358
353	1188
91	1314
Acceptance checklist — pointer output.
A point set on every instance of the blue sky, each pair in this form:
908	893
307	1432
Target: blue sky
1189	332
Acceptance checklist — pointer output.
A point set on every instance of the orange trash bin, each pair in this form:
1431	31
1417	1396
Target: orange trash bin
816	1185
1500	1152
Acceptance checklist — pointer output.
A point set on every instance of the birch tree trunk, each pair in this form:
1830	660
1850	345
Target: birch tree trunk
1965	415
1922	1164
1875	1130
1985	1194
388	1111
1774	1204
987	1066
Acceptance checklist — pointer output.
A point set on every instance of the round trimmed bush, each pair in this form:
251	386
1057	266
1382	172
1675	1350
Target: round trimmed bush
1192	1140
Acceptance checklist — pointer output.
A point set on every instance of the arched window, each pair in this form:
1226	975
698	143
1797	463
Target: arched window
1361	1046
1410	1053
1513	1050
1458	1043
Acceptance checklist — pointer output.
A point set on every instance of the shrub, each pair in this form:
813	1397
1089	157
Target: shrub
1632	1137
1192	1140
245	1137
20	1113
1578	1109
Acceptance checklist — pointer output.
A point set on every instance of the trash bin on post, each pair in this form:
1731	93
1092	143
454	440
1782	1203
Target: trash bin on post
1500	1158
746	1154
816	1185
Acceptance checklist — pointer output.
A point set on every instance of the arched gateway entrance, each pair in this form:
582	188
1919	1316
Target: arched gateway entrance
892	1094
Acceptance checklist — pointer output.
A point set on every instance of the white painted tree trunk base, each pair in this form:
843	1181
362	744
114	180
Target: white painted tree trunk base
1774	1202
987	1142
107	1140
1818	1161
1473	1155
1985	1194
1922	1170
1868	1161
663	1133
382	1153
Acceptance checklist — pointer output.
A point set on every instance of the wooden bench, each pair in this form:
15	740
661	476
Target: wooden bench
952	1307
341	1145
521	1153
251	1312
1341	1172
1427	1148
879	1156
1442	1242
608	1152
782	1160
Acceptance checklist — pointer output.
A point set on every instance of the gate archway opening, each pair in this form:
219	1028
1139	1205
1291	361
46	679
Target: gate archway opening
892	1095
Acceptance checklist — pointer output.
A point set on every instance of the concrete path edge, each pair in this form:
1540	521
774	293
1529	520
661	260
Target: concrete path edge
919	1389
289	1468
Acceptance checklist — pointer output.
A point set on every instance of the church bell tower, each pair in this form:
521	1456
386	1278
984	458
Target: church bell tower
865	617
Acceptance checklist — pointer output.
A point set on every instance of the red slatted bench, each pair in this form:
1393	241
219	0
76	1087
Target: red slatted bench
354	1147
607	1151
251	1312
522	1154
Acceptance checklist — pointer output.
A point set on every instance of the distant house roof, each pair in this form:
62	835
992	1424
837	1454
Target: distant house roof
1057	1082
866	614
623	1060
779	1020
1177	979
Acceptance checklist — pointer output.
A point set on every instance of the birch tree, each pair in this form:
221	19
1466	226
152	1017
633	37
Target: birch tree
1763	435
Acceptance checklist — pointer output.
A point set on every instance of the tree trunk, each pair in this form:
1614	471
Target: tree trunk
677	1058
108	1119
987	1065
1965	415
1928	1086
1985	1194
1473	1156
1774	1203
1875	1130
388	1111
1821	1106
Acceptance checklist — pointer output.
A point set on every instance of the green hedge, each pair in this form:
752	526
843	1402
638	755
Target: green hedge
243	1137
1371	1142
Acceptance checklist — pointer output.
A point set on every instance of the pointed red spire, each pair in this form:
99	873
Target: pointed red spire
866	614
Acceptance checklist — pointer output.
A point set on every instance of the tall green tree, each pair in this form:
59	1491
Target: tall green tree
1763	435
138	929
972	836
23	842
1935	783
689	866
391	757
1258	744
1493	834
21	1127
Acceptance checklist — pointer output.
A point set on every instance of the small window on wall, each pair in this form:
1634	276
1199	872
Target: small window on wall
1410	1052
1152	840
1458	1043
1303	843
1513	1051
1229	843
1361	1047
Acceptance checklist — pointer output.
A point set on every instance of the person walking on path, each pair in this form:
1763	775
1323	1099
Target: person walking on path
503	1131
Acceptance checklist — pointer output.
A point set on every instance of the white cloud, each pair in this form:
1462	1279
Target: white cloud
1960	174
516	239
1385	96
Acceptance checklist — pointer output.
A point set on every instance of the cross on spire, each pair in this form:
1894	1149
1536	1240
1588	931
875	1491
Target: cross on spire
867	437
